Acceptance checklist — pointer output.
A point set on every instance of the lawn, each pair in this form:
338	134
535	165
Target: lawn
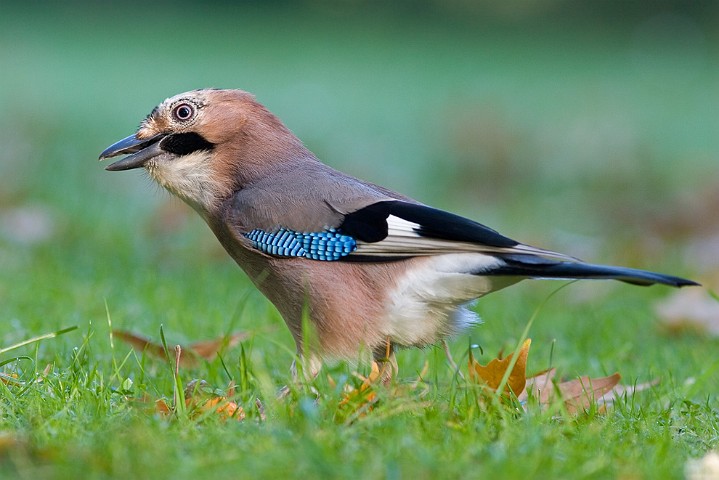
585	135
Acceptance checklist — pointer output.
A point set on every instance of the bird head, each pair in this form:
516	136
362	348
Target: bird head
205	144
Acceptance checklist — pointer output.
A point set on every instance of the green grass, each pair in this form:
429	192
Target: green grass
574	137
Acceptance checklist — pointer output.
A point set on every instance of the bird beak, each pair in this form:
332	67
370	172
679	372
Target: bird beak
140	150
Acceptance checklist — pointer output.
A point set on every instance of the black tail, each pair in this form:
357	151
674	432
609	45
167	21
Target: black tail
537	267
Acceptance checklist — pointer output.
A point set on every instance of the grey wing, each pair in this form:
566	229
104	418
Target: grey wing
308	199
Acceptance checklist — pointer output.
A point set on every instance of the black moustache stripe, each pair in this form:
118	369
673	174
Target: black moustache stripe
185	143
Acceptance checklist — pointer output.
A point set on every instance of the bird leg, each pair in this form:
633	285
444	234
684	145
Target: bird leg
450	360
386	361
311	366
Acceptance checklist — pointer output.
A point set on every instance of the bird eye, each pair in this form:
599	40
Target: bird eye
183	112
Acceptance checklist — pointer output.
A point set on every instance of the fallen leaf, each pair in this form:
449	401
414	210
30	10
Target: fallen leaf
691	310
581	393
493	373
162	407
365	389
10	379
540	386
206	349
577	395
139	343
199	400
358	401
224	408
620	391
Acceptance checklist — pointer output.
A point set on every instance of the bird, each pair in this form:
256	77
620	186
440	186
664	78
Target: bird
364	269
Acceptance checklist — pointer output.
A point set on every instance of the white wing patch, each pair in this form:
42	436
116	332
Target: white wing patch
400	227
404	240
429	301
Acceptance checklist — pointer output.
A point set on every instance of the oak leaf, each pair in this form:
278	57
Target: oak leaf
494	372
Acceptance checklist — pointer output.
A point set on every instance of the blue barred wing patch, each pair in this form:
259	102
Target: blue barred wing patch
328	245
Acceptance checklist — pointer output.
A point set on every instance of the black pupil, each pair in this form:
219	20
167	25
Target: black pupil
184	112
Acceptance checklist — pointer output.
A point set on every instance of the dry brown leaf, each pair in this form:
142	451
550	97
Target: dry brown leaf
690	310
206	349
581	393
199	402
540	386
577	394
222	407
365	389
162	407
620	390
139	343
493	373
10	379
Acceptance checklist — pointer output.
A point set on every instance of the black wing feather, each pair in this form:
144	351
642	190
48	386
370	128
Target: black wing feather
537	267
369	224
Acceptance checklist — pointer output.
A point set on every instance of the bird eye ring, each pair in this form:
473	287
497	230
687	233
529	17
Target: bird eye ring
183	112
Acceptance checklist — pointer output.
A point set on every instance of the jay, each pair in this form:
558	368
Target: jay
369	268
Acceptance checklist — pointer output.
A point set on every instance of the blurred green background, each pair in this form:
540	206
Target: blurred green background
585	127
581	126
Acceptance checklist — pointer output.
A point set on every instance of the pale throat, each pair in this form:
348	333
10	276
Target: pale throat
189	177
